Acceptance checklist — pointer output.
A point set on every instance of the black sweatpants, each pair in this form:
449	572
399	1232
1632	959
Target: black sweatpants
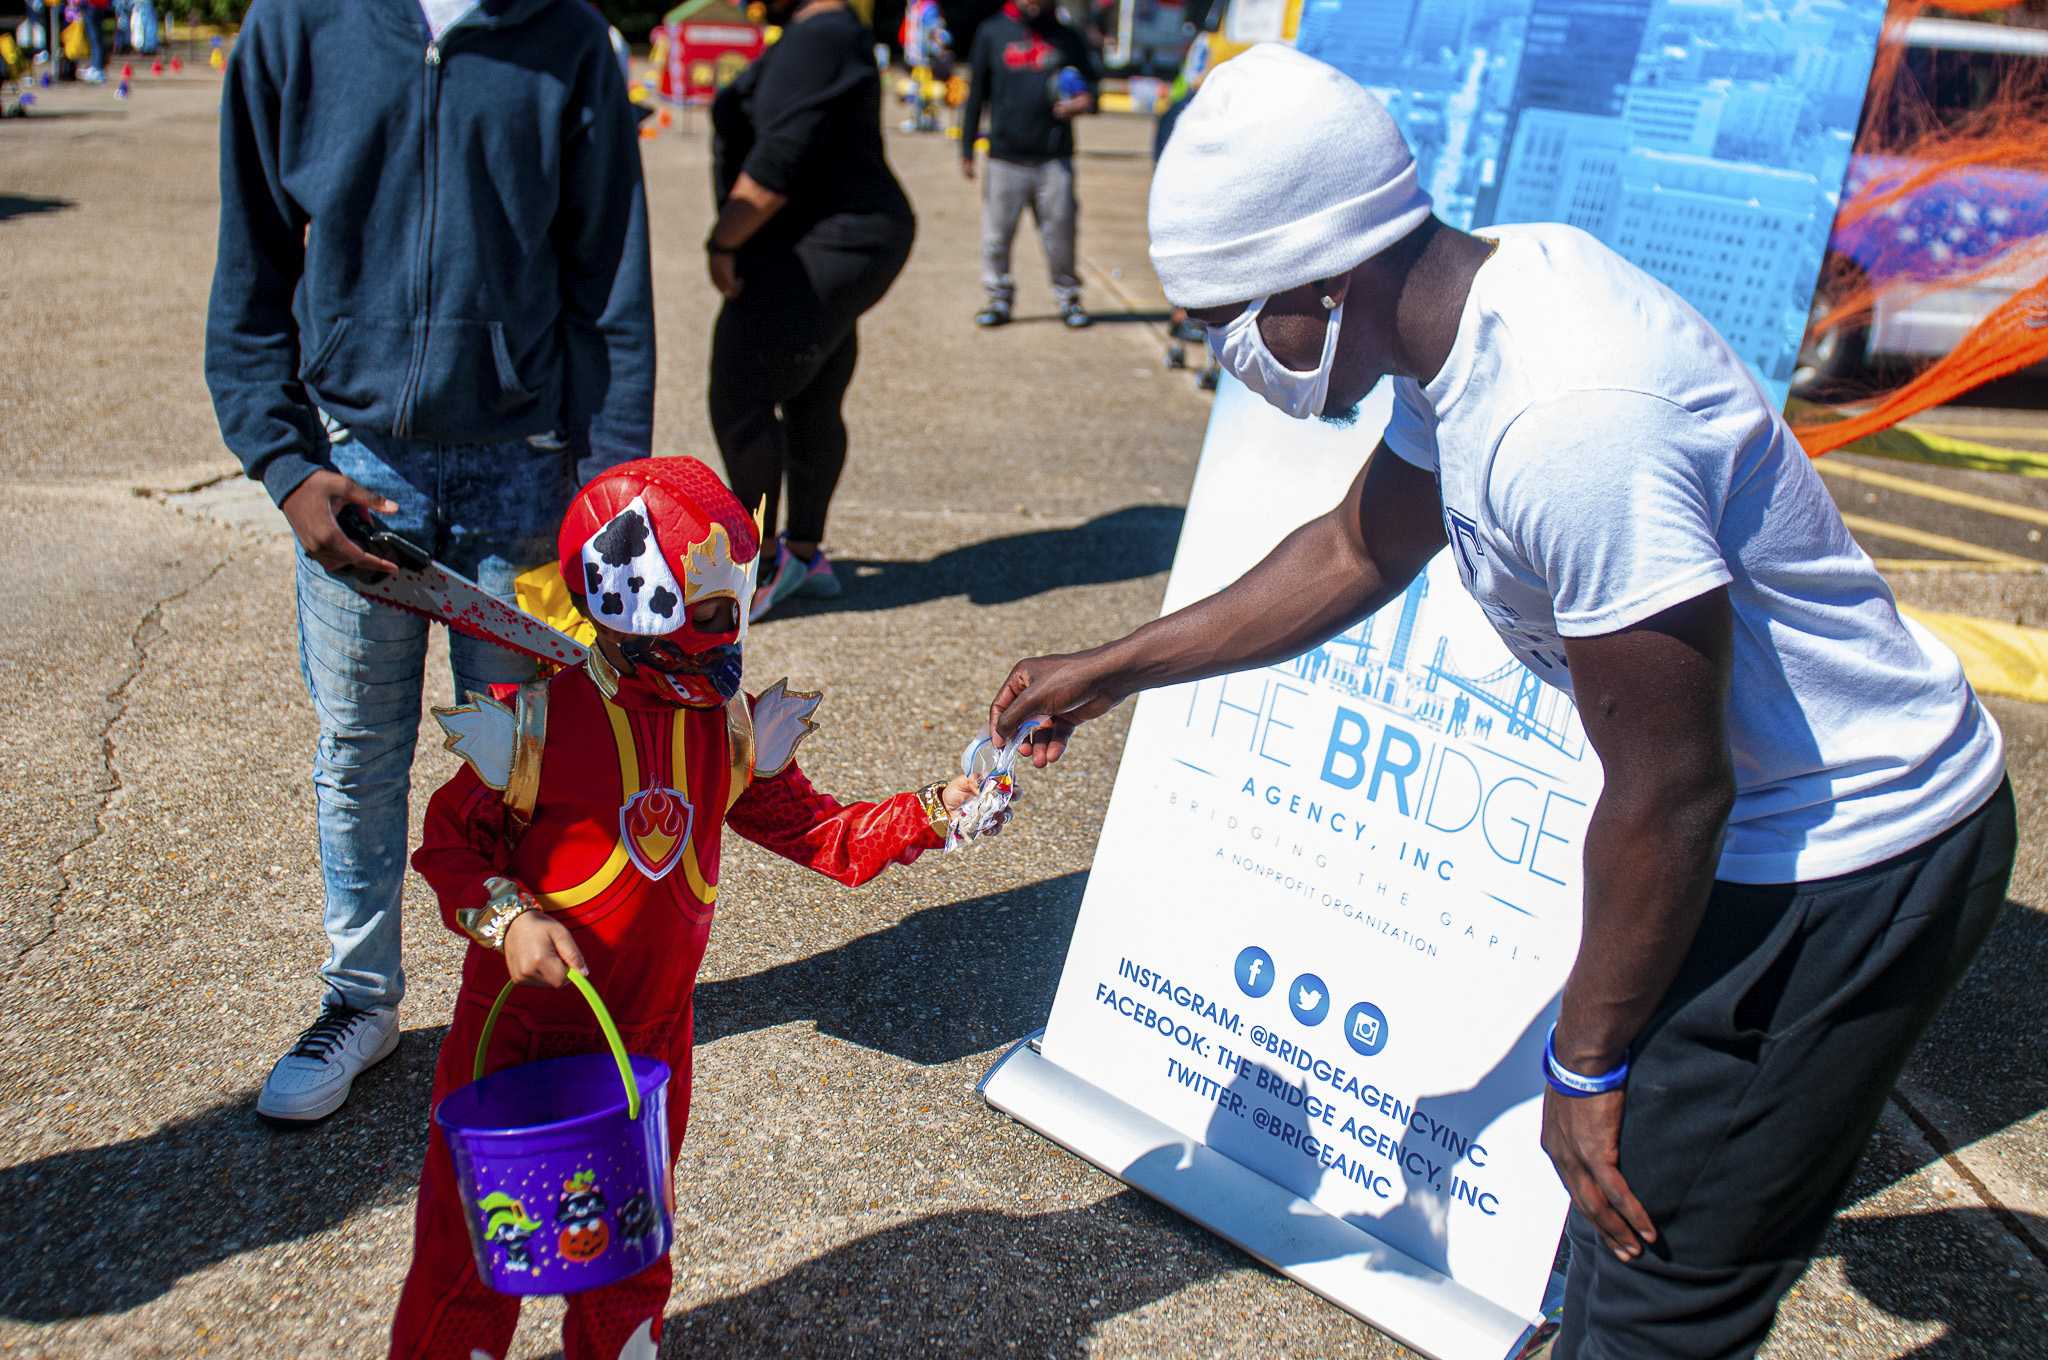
1755	1087
782	356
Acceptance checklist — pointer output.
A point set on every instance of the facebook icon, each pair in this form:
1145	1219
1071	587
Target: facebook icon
1254	971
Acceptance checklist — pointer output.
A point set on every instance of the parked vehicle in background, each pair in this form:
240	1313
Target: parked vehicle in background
1934	230
1145	37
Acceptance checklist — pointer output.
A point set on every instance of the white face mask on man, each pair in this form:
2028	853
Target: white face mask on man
1242	351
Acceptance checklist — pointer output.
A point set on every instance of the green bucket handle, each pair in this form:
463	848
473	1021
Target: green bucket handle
604	1022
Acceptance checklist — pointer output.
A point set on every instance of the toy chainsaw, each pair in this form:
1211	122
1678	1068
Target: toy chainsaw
423	586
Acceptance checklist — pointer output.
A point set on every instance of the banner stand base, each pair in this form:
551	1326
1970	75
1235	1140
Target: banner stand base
1381	1286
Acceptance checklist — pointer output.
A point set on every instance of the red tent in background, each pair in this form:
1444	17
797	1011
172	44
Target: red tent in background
701	46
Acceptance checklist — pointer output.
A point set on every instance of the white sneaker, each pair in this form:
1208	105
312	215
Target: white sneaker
312	1080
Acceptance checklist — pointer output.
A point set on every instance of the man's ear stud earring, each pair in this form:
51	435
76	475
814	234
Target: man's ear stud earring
1329	303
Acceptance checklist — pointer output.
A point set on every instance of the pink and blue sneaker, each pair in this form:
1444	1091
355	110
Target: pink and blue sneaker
819	583
793	576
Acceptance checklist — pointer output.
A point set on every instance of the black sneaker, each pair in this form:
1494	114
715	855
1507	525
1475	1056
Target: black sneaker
992	315
1075	317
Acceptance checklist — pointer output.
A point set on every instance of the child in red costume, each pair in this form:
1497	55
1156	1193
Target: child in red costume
583	832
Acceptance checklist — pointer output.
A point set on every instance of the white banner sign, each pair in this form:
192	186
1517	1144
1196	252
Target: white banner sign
1335	899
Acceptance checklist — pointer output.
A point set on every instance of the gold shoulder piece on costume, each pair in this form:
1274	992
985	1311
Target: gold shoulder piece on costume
530	735
601	673
782	719
739	733
483	732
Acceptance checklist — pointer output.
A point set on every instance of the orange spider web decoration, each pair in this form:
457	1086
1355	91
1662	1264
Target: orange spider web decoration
2001	147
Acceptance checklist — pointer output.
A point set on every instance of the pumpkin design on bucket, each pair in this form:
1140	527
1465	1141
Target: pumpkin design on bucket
580	1216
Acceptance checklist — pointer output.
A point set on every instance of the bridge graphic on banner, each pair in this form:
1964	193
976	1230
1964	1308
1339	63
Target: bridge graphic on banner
1390	674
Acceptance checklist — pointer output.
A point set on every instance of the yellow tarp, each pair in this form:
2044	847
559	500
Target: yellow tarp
2008	659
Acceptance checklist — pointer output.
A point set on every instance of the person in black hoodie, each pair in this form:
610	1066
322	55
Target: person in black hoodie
432	301
812	229
1034	75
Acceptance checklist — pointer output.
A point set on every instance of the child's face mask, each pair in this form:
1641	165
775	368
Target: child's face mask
701	679
652	546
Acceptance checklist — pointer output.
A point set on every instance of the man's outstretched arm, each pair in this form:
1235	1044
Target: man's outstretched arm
1321	579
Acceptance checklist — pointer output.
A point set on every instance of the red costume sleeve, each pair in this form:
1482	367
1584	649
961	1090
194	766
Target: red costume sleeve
850	842
464	843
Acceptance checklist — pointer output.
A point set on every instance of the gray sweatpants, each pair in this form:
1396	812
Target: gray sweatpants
1006	188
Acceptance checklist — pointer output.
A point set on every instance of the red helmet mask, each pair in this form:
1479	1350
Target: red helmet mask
641	547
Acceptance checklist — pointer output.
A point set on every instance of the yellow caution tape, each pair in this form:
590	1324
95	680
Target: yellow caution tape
1947	450
2008	659
1886	566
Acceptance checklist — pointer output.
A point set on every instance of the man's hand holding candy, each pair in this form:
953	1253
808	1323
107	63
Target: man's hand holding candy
1064	691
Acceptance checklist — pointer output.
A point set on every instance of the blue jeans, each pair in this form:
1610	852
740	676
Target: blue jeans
95	37
489	512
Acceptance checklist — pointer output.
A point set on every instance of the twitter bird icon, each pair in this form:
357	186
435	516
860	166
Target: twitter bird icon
1309	999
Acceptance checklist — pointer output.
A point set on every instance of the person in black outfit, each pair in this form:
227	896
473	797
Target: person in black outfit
1034	75
812	229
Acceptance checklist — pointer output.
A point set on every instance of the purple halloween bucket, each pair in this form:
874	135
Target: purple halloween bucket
562	1165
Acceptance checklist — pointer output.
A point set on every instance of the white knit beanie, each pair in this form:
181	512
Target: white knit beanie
1283	170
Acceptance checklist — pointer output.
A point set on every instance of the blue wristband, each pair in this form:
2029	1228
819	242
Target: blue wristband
1566	1082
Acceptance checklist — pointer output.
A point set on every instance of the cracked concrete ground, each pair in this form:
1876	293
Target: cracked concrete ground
842	1188
108	781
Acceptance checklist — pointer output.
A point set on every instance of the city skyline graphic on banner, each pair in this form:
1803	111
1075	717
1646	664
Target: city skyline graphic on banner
1704	140
1405	663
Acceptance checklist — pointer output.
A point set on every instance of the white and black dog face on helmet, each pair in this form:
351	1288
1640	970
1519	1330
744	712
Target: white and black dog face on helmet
627	583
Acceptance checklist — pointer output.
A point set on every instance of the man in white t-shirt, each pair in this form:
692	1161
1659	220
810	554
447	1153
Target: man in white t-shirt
1804	831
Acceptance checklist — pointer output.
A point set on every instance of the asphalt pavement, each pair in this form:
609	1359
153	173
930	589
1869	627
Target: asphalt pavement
842	1187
